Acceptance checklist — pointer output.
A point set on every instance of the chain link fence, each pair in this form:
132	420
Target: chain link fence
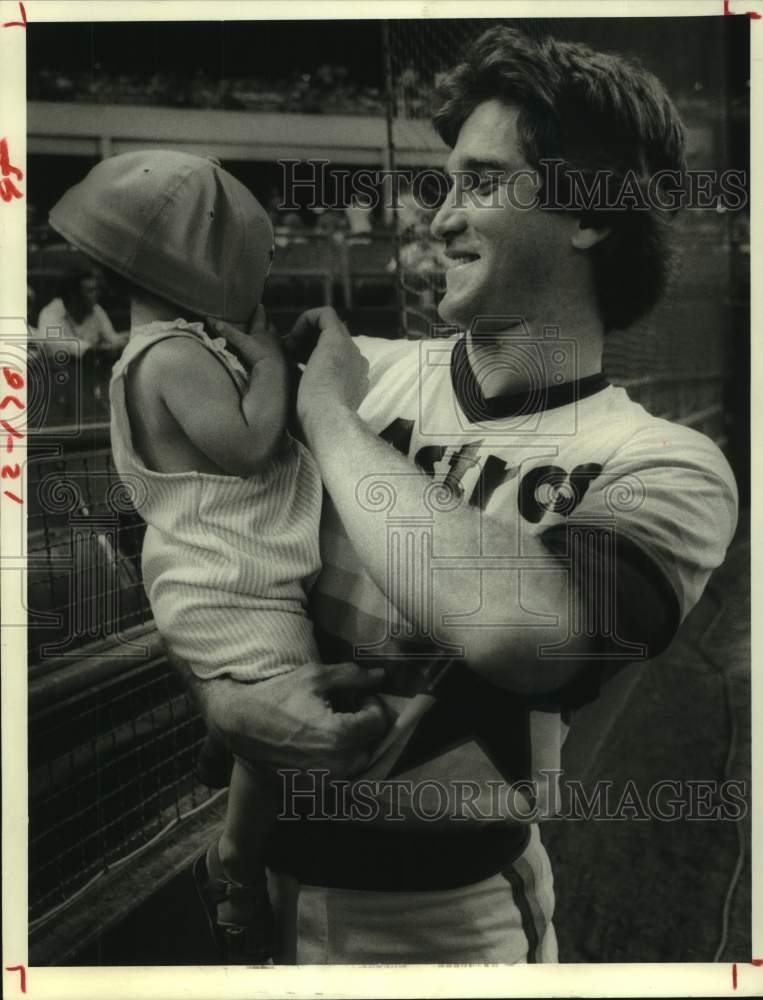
113	733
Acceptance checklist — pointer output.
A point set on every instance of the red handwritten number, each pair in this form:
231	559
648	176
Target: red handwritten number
8	189
11	430
750	13
21	969
14	380
18	24
12	433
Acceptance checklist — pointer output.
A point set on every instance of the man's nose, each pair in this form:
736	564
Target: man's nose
449	218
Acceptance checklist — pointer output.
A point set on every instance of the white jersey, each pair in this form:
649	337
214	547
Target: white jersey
577	456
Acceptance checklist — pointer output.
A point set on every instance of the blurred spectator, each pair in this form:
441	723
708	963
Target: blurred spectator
76	315
292	220
422	265
273	207
359	215
331	222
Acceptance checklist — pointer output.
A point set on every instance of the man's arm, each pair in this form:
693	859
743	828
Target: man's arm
348	453
107	331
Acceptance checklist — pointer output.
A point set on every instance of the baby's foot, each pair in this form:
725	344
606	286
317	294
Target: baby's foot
240	916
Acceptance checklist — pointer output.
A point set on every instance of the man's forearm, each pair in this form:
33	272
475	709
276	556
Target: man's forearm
351	456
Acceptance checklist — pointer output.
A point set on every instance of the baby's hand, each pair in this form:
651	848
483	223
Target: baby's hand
259	342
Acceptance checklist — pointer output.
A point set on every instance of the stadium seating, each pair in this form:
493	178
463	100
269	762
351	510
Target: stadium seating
369	277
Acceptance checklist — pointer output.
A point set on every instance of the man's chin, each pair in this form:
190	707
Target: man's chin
455	313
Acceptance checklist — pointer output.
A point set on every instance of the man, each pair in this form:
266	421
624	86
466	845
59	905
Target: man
76	314
504	529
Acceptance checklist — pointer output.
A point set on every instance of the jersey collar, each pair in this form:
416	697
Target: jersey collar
477	409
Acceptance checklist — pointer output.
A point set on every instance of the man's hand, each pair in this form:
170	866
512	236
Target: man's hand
300	343
337	372
287	721
259	342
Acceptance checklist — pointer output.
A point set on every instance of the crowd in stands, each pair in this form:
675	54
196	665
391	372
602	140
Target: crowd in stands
326	91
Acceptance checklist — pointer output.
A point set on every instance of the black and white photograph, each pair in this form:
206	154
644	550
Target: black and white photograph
378	438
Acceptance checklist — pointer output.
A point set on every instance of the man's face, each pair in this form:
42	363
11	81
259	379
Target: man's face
503	260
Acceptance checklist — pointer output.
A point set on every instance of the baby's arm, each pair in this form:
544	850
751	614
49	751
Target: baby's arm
238	434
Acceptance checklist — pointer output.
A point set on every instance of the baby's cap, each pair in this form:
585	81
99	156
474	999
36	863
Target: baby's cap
176	224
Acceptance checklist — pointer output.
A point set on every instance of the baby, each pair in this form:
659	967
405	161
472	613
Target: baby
232	500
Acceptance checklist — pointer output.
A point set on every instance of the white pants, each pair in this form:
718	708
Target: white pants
503	919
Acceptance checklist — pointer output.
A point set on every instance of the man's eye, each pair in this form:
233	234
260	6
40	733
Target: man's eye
488	183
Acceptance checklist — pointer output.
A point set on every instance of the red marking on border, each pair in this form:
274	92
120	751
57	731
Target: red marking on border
757	962
21	969
18	24
750	13
15	381
734	975
8	189
11	430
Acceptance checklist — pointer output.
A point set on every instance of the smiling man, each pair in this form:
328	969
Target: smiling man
504	528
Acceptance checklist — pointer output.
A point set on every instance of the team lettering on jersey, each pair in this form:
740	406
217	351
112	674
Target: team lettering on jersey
561	491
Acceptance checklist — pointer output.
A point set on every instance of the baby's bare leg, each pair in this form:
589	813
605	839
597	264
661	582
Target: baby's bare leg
237	883
249	821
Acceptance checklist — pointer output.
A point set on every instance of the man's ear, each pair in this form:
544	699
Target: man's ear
587	236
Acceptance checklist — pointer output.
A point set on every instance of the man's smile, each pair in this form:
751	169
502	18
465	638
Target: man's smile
457	258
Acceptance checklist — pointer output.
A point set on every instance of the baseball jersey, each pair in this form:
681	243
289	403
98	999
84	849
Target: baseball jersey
645	505
226	561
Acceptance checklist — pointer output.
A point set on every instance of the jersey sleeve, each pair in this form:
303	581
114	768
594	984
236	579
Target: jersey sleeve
669	497
656	521
382	354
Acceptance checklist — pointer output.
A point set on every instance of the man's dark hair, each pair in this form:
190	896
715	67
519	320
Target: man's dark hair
69	289
595	112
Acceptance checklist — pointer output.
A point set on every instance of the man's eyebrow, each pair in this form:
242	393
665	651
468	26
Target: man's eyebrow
479	165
